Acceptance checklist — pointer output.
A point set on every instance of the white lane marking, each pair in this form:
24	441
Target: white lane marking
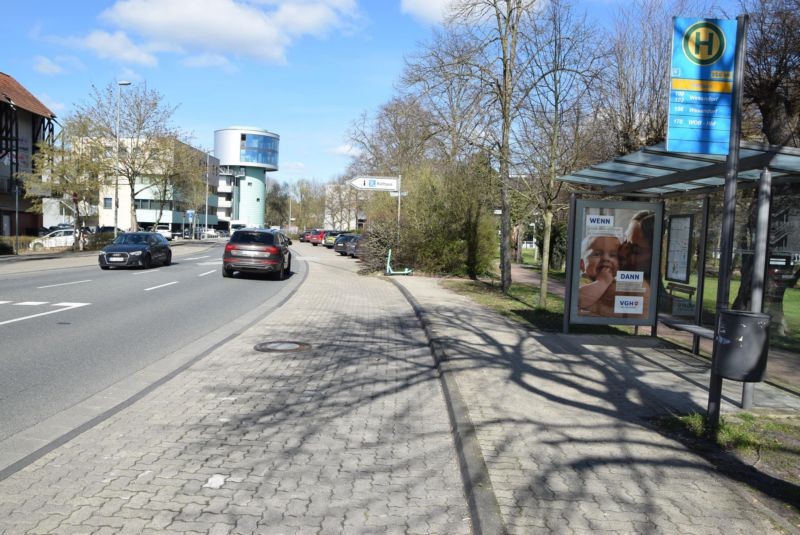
5	302
216	263
62	284
145	272
30	303
66	306
207	273
160	286
195	257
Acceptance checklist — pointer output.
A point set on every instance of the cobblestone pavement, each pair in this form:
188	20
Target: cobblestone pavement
348	435
563	425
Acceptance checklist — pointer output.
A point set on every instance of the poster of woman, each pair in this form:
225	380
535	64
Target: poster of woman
615	258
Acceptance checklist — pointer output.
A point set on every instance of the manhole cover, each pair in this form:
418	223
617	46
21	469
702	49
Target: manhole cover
282	347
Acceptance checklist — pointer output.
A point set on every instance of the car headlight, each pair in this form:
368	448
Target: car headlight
101	253
135	253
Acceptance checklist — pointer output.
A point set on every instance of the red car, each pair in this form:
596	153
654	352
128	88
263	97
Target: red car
316	236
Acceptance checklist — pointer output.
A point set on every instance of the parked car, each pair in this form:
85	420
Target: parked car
316	236
359	249
136	249
108	230
340	245
253	250
350	246
64	237
330	238
164	230
210	233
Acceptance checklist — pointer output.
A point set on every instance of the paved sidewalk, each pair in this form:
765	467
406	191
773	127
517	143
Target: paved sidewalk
349	435
562	424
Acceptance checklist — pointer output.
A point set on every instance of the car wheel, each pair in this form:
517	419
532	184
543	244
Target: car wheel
280	274
168	259
38	246
226	272
146	262
104	267
289	265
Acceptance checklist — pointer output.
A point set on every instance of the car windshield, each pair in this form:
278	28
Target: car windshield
263	238
130	239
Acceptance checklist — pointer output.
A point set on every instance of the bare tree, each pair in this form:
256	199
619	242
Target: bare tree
550	129
496	29
144	122
72	170
772	69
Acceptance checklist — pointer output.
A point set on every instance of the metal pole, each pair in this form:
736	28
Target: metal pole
16	215
116	165
399	194
571	222
701	273
208	175
116	159
759	264
728	218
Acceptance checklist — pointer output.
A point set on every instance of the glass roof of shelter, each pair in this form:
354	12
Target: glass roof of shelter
654	171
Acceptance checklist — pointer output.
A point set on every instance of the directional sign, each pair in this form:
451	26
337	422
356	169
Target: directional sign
398	193
375	183
701	92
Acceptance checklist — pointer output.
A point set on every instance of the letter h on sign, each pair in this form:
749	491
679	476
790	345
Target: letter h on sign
708	43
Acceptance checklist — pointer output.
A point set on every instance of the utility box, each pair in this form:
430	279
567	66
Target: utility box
742	342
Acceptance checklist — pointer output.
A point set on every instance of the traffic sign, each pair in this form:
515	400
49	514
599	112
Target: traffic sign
398	193
375	183
701	85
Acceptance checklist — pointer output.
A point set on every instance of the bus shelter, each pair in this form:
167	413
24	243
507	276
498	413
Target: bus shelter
681	195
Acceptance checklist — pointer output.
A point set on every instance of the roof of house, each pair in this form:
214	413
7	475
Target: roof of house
12	91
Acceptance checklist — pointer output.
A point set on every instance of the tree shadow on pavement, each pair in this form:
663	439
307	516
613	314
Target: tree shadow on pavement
349	434
575	415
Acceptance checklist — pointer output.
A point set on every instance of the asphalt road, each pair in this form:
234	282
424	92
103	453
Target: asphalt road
70	331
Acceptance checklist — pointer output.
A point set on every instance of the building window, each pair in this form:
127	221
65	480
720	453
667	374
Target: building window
107	203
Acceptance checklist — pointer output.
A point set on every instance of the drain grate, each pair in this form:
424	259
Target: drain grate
281	347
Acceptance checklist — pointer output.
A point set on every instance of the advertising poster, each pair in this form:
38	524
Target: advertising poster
615	256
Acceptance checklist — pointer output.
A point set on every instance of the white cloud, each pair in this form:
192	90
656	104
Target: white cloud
55	106
262	30
117	46
202	61
345	150
57	65
46	66
426	11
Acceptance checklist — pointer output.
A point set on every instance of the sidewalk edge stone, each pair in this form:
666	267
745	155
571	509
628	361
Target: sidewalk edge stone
482	502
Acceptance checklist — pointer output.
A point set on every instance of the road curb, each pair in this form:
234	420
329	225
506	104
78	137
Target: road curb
484	509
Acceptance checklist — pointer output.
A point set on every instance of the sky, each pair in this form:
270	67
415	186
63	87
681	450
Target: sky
303	69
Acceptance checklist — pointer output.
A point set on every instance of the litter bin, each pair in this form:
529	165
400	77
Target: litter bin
742	342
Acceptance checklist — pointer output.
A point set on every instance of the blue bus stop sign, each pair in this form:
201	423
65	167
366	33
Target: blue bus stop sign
701	85
190	215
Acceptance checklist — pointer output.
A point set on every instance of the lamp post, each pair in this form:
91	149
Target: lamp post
120	83
208	177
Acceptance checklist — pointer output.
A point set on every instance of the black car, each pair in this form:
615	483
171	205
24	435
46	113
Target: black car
136	249
340	245
257	250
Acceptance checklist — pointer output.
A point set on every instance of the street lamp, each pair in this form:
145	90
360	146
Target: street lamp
120	83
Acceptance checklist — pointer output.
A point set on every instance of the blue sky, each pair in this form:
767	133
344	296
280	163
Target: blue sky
304	69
